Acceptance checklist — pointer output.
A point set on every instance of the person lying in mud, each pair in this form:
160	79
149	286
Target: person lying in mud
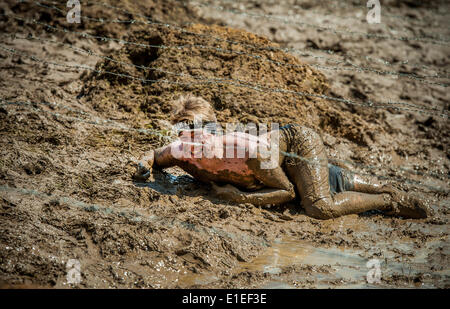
325	190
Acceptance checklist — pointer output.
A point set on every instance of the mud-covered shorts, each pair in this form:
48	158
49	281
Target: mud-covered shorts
339	179
305	142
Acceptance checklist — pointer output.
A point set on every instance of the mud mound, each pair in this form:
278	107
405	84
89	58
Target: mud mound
252	81
69	141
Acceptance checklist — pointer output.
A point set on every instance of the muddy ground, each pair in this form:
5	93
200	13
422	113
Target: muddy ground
98	94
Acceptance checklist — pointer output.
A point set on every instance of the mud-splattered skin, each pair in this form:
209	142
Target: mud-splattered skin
218	166
213	163
205	168
309	176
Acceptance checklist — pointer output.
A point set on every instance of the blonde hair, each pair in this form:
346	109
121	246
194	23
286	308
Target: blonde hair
189	107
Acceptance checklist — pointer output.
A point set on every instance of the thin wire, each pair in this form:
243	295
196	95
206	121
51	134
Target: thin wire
85	35
98	121
219	82
288	154
328	29
298	51
327	51
91	53
339	17
133	215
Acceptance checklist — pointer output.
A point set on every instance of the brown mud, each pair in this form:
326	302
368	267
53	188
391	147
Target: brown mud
65	169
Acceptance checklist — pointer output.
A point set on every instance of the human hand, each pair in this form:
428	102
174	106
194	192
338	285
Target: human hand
142	172
144	166
147	159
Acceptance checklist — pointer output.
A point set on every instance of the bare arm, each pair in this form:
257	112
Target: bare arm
258	198
164	158
278	188
158	158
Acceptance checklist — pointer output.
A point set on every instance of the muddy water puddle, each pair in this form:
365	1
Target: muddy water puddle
338	267
323	265
320	267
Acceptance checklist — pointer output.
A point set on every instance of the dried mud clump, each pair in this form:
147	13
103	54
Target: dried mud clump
246	77
65	169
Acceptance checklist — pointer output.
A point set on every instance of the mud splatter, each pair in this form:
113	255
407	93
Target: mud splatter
70	195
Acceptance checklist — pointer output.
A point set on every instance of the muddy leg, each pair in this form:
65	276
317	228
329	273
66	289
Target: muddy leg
312	184
365	184
311	179
347	203
403	204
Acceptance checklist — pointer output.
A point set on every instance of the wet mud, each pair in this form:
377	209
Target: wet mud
65	169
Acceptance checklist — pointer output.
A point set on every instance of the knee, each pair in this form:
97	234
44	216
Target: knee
321	209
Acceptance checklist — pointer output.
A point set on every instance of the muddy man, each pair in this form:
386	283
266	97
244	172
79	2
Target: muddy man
326	191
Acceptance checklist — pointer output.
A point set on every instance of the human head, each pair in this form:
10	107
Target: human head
190	110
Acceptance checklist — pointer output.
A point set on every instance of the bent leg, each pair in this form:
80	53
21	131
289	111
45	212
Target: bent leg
365	184
267	196
311	178
402	204
346	203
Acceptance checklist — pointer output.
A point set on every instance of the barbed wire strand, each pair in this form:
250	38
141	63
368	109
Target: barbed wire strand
292	50
98	121
357	68
343	18
258	88
143	67
327	51
91	53
346	5
163	134
415	77
327	29
131	214
352	6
